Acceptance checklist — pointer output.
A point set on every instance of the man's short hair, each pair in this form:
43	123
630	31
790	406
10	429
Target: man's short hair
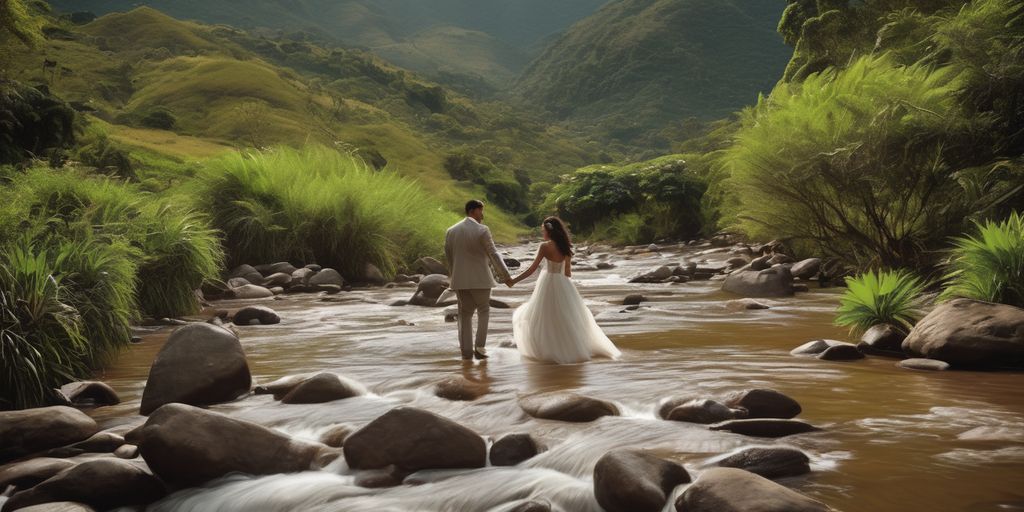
473	204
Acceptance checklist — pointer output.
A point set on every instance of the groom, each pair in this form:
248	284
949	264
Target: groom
468	247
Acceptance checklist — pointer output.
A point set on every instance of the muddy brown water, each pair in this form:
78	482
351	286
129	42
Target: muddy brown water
893	439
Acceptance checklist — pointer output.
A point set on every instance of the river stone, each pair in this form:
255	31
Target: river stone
281	387
654	276
736	261
301	276
814	347
323	387
882	339
282	267
773	462
279	279
373	275
102	483
566	407
970	333
844	352
765	427
703	411
772	282
327	276
414	439
764	403
127	451
760	263
237	282
605	265
429	289
59	506
806	269
635	481
31	472
743	304
633	299
34	430
100	442
532	506
512	449
201	364
917	363
736	490
780	259
460	388
251	291
246	272
260	315
89	393
336	435
381	478
187	446
428	265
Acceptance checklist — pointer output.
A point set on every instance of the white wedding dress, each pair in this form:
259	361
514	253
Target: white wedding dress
555	325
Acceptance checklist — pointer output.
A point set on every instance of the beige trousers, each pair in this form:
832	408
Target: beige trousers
473	301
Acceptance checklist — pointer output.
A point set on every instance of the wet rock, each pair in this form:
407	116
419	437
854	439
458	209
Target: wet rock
414	439
428	265
512	263
314	267
246	272
329	289
251	291
373	275
703	411
277	290
460	388
806	269
451	315
279	279
655	276
201	364
764	403
772	282
801	288
760	263
238	282
100	442
779	259
301	276
773	462
916	363
635	481
513	449
398	303
34	430
59	506
765	427
844	352
566	407
327	276
970	333
604	265
31	472
323	387
735	490
336	435
745	304
90	393
532	506
633	299
381	479
882	339
281	387
127	451
102	483
187	446
737	261
429	290
260	315
814	347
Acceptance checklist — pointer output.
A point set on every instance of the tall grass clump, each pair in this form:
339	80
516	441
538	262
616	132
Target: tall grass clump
42	341
989	265
316	204
888	296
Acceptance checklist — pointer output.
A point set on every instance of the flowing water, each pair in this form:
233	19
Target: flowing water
892	439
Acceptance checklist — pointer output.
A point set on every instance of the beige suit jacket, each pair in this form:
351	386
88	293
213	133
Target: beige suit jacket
471	252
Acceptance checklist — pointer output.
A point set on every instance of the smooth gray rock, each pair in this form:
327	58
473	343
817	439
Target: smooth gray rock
970	333
102	483
764	403
321	388
923	364
772	282
414	439
844	352
567	407
512	449
260	315
806	269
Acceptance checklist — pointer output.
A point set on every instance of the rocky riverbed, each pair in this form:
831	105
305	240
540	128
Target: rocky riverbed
384	416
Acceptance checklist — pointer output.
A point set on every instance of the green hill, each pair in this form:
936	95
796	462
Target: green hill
637	68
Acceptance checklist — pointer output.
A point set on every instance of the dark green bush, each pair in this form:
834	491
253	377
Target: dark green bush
31	122
159	118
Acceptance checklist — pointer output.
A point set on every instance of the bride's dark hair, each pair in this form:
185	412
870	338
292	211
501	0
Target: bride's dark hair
559	235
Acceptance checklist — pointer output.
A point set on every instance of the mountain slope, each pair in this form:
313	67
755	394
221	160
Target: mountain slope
637	66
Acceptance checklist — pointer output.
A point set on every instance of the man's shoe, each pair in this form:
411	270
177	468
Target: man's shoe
480	353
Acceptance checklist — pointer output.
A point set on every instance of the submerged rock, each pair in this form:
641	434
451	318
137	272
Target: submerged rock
35	430
460	388
323	387
970	333
103	484
260	315
923	364
844	352
764	403
773	462
567	407
765	427
635	481
414	439
513	449
735	490
201	364
90	393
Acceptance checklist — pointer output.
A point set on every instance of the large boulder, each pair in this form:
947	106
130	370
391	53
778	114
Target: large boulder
429	289
970	333
32	472
765	427
882	339
200	364
428	265
323	387
764	403
414	439
771	282
806	269
34	430
90	393
654	276
513	449
187	446
259	315
735	490
327	276
302	276
773	462
635	481
103	484
566	407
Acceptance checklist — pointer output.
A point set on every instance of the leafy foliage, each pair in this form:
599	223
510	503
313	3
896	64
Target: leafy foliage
31	122
888	296
990	265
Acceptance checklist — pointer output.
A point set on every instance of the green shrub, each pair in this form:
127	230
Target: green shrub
159	118
319	205
892	297
990	265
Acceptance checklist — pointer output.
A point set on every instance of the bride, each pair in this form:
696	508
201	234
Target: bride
555	325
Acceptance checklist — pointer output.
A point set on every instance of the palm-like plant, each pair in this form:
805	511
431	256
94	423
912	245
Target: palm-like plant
990	265
888	296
